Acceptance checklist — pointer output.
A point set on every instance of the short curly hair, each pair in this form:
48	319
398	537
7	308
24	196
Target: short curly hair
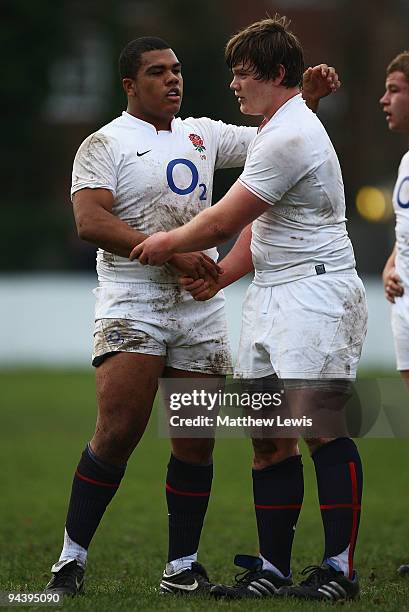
130	57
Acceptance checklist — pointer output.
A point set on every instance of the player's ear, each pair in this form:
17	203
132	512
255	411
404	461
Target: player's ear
129	86
280	75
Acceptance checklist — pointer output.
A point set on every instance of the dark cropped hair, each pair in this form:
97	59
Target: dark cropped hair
400	64
130	57
263	46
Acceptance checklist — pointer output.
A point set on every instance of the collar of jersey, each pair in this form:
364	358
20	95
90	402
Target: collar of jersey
134	121
291	102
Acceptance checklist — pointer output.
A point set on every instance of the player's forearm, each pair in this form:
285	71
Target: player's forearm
108	232
392	257
238	262
312	103
211	227
205	231
111	234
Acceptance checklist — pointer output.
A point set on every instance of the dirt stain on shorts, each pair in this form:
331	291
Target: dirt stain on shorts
119	335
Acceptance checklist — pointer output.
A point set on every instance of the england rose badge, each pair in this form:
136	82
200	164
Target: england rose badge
197	142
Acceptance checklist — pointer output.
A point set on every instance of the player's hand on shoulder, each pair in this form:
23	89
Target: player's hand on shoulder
319	81
392	284
195	265
201	289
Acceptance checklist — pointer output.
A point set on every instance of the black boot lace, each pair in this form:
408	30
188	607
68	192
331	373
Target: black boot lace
316	575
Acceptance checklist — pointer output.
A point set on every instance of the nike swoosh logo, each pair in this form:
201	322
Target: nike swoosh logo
183	587
144	153
78	584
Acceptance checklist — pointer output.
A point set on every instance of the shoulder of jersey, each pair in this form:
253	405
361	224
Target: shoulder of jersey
298	118
115	128
202	132
404	164
197	122
119	122
110	128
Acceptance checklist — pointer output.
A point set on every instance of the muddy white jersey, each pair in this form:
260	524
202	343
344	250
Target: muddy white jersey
292	165
401	206
159	180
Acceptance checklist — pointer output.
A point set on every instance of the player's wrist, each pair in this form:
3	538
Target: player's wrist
311	101
172	242
225	279
176	257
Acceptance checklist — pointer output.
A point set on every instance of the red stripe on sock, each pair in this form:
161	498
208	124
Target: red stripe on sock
284	507
188	493
333	506
355	507
110	485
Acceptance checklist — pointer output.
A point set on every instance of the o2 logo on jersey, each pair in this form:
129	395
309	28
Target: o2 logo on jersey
403	193
194	178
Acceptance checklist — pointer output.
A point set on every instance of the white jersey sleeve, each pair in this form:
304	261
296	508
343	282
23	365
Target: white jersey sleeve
275	163
234	142
229	143
95	164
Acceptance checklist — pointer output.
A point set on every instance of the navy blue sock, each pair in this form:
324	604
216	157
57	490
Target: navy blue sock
187	494
278	495
94	485
339	476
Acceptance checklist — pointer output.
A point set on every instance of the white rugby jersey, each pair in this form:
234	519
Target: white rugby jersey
292	165
401	206
160	180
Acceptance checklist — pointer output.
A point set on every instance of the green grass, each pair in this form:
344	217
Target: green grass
46	419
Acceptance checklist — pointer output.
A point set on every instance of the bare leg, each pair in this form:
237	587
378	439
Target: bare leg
191	450
126	387
405	376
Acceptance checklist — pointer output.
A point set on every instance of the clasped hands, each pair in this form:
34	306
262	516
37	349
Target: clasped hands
198	273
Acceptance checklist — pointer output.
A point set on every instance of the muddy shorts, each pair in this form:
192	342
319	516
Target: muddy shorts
400	329
162	319
309	329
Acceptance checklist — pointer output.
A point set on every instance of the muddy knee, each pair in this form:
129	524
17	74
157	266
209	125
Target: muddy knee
197	451
268	451
115	443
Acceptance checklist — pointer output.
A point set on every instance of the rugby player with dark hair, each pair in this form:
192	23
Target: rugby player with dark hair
144	172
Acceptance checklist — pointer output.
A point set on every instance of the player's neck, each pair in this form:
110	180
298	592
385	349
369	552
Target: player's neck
281	97
159	123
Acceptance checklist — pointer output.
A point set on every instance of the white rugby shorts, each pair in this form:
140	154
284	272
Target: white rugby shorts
400	330
162	319
312	328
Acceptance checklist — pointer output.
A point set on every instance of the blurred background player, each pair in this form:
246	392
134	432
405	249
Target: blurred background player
304	316
147	171
395	105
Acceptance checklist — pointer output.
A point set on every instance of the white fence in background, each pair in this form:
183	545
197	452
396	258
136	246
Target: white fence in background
47	320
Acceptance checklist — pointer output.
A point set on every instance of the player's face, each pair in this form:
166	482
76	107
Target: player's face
254	96
155	95
395	102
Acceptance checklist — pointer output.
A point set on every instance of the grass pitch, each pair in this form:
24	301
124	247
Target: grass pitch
46	420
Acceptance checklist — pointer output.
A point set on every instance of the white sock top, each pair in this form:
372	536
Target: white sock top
72	550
